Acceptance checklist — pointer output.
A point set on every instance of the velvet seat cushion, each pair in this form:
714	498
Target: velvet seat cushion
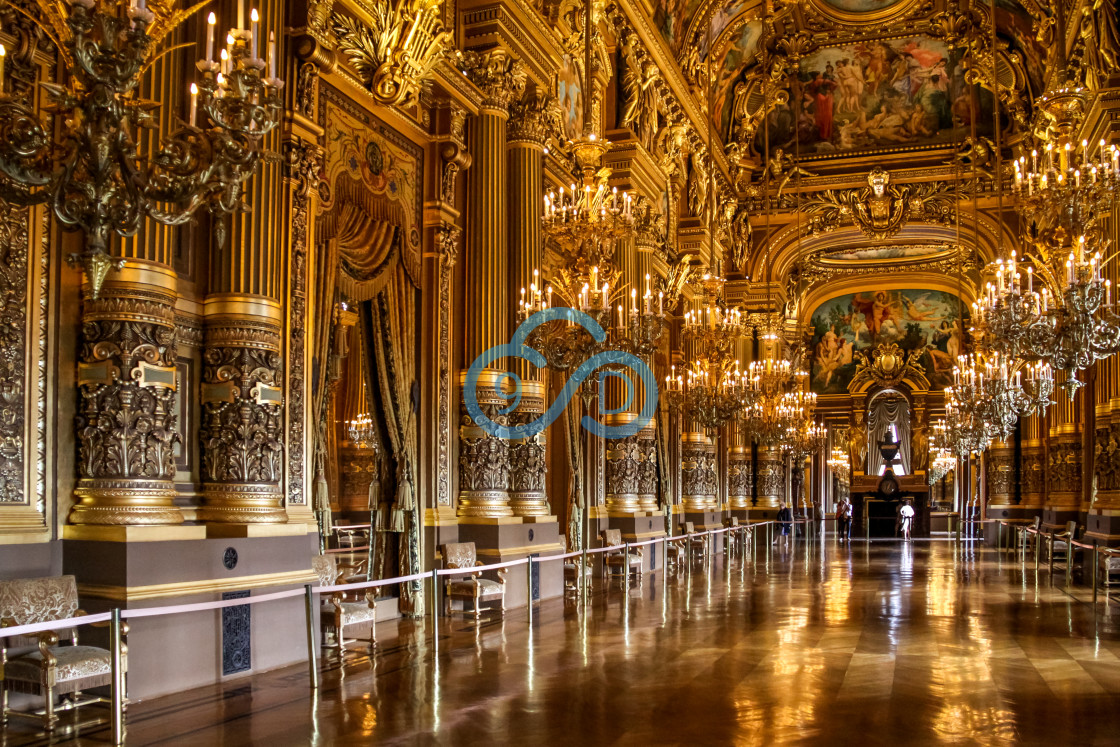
356	612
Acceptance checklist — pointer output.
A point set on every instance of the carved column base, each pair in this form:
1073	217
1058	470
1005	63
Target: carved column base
127	426
739	477
115	502
528	467
698	472
242	400
242	504
1064	473
624	460
771	477
483	458
1032	475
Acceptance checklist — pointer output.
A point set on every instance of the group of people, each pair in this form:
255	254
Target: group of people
844	515
845	512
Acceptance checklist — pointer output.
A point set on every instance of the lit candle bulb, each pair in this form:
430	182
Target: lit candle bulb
272	54
194	102
255	21
3	56
211	20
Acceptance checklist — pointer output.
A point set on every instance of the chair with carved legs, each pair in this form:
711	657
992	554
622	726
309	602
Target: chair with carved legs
475	589
339	610
38	664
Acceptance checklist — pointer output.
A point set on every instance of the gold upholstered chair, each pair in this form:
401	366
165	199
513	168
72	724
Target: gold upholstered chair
462	555
617	561
339	610
1059	547
38	664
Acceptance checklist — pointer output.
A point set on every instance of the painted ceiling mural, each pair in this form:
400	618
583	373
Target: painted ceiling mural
874	94
915	319
878	94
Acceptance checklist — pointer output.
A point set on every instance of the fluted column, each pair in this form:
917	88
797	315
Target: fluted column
1000	476
484	459
1063	498
127	426
527	131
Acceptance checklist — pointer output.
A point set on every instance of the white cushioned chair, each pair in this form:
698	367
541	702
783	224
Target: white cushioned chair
475	588
39	664
340	611
618	561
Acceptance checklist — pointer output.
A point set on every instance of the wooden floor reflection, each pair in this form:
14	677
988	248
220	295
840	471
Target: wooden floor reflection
867	645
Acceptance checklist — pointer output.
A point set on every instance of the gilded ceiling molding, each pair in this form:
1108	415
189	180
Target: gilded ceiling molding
881	209
518	27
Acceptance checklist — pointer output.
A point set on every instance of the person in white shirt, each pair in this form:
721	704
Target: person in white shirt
906	515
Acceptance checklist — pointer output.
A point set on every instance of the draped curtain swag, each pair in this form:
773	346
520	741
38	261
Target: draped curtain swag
886	408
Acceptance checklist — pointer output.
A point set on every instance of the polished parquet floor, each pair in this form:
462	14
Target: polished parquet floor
887	643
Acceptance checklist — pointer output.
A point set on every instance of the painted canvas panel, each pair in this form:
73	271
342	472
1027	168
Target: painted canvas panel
926	320
861	6
883	253
569	93
878	94
739	56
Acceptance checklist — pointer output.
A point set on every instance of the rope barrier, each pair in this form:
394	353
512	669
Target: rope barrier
204	606
40	627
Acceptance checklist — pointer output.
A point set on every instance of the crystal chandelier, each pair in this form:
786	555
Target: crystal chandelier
941	461
804	436
360	432
780	393
838	463
92	175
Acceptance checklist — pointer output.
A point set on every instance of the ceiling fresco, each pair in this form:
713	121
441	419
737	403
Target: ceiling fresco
888	90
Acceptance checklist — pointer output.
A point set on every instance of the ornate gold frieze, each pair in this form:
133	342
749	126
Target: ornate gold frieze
1064	470
528	468
397	50
887	366
447	238
484	459
881	209
127	430
740	478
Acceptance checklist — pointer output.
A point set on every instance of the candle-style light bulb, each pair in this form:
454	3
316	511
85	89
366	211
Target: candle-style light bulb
194	102
211	21
255	21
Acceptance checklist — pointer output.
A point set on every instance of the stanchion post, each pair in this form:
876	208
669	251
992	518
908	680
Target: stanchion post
312	635
435	612
999	536
529	589
116	645
1070	550
665	565
625	566
1096	566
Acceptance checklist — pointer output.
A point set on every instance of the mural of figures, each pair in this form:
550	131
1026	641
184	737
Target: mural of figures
926	320
878	94
570	95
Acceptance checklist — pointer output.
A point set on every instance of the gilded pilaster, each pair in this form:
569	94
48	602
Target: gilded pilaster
484	459
127	427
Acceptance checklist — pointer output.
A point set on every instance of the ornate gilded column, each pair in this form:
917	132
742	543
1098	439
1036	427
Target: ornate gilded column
1063	497
698	472
527	131
127	424
1032	464
242	416
740	472
624	467
647	468
999	476
771	477
484	459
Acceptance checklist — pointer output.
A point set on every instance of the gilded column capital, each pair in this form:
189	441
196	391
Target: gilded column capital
533	120
303	162
500	76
